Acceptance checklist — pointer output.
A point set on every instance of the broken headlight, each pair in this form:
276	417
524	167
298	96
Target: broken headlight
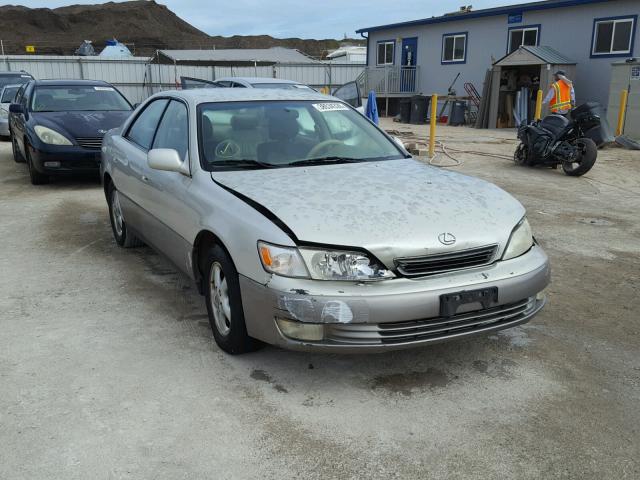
343	265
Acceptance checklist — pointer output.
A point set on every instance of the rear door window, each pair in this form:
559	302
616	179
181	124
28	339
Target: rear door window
144	126
173	131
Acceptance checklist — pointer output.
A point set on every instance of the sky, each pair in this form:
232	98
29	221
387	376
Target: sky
297	18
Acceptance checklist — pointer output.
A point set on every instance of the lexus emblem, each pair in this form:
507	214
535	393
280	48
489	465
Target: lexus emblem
102	131
447	238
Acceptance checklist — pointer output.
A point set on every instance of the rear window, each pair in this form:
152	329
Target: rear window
14	78
76	98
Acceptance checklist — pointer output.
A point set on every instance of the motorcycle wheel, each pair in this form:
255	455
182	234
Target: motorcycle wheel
585	159
520	155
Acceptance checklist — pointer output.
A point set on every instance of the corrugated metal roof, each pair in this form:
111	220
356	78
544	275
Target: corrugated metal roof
487	12
545	54
232	56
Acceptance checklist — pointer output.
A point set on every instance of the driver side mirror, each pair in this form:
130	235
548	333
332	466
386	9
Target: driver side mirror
167	160
16	108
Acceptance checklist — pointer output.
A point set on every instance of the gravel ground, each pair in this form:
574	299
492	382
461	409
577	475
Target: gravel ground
108	368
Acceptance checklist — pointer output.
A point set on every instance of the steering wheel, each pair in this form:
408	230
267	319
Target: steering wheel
325	144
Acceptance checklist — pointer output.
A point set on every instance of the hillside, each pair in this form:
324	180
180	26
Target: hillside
143	25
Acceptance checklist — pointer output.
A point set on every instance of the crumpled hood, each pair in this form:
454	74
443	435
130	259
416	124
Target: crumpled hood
393	209
81	124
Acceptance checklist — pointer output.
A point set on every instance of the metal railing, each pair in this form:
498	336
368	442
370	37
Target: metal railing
390	80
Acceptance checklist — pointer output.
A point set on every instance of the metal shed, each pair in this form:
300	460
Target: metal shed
625	75
528	63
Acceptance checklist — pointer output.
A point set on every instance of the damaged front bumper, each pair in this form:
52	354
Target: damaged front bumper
391	314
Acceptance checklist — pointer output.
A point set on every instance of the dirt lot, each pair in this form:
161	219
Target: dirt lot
108	368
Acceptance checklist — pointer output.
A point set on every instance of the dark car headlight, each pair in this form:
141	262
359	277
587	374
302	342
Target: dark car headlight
51	137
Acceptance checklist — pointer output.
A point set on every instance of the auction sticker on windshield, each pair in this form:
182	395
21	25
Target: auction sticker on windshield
104	89
330	107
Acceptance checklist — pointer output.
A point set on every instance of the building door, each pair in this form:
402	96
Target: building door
408	64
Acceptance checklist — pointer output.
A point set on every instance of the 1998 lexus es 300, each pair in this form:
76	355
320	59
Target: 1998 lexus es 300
306	226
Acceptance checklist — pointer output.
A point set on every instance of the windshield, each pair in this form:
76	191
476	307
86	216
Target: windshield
13	79
8	94
272	133
76	98
286	86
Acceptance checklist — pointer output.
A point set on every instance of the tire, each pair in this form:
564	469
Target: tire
224	304
35	176
122	236
520	156
586	159
17	156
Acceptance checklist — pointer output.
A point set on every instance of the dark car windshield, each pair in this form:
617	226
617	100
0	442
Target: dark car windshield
14	78
75	98
288	133
286	86
8	94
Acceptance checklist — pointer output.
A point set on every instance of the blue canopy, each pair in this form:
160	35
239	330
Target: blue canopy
372	108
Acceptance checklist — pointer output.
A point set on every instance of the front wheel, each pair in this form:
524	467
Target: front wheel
584	161
17	156
224	304
521	155
121	234
35	176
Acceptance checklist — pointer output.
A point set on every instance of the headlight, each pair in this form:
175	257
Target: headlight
51	136
343	265
285	261
520	241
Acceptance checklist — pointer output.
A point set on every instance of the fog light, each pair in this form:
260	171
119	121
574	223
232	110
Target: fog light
52	164
300	331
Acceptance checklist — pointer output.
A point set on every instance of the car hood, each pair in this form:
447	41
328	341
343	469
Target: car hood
81	124
395	208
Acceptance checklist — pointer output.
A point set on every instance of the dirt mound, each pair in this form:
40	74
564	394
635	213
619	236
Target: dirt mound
144	26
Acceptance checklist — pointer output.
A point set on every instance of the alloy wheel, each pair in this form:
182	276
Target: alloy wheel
220	304
116	213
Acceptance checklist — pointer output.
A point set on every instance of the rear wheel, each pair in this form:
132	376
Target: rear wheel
224	304
17	156
35	176
123	237
584	161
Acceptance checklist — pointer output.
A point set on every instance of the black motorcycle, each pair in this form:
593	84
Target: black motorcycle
558	140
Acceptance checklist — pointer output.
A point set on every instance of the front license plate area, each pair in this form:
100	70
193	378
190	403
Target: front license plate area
451	302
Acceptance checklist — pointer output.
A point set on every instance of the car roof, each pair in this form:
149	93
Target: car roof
207	95
68	83
257	80
13	72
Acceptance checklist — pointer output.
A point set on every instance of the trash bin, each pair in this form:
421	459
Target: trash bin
419	104
456	115
600	134
405	110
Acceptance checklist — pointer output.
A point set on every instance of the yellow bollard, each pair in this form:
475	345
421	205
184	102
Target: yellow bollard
432	127
622	111
538	114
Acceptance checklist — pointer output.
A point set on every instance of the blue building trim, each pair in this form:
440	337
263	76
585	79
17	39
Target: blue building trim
524	27
488	12
393	58
466	46
613	55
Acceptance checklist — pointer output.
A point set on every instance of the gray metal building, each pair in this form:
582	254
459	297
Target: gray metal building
424	56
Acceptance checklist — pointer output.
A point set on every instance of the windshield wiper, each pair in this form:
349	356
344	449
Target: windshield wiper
242	163
325	160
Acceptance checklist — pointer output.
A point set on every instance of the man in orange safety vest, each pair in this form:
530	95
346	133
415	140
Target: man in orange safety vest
561	97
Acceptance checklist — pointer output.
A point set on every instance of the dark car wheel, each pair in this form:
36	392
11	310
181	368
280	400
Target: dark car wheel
224	304
17	156
585	159
36	177
123	237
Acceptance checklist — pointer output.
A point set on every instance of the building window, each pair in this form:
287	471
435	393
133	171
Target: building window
613	36
454	47
385	52
528	35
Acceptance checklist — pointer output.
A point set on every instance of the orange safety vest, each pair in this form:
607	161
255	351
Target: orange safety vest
561	97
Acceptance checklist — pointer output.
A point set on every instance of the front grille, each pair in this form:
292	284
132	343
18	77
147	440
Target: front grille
445	262
93	143
429	329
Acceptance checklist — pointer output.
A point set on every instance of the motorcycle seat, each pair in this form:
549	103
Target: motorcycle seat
555	124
